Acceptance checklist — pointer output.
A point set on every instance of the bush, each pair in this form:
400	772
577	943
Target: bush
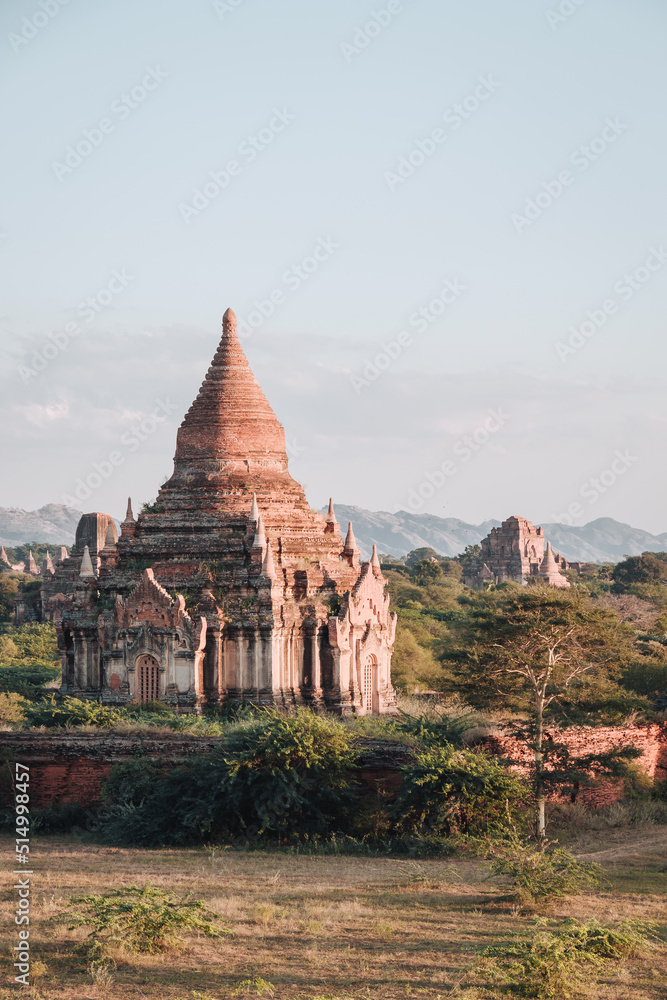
277	778
28	680
544	875
71	712
553	964
142	918
449	789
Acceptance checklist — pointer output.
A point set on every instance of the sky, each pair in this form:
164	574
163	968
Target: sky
441	224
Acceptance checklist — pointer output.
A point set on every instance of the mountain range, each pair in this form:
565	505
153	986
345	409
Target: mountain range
602	540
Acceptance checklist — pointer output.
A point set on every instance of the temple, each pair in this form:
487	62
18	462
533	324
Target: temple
516	551
229	586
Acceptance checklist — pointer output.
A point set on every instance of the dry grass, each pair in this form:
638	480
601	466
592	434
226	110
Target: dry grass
322	927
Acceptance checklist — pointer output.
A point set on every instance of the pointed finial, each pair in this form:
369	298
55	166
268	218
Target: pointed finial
3	555
254	509
229	320
48	564
268	566
63	553
350	540
109	541
331	526
86	571
129	525
375	562
260	537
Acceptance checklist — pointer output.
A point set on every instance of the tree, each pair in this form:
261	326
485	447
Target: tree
649	567
537	651
419	555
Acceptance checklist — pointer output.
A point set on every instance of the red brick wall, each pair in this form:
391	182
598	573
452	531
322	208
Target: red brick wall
73	767
651	740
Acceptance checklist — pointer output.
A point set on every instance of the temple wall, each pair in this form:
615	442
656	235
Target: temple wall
74	766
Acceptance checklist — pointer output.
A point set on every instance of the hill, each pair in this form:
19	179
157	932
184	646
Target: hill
602	540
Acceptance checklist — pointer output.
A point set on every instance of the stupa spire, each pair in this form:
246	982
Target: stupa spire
86	572
254	509
260	537
231	419
268	566
332	526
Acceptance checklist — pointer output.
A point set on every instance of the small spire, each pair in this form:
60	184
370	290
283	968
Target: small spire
128	526
63	553
350	540
332	526
350	550
48	564
110	540
229	320
260	537
268	566
86	571
254	509
32	565
3	556
375	562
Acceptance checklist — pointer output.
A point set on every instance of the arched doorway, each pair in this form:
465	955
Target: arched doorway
148	679
368	681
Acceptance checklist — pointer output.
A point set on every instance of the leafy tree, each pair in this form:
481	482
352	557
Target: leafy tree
426	572
419	555
448	789
469	552
537	651
9	585
649	567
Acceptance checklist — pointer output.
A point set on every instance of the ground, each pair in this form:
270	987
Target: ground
321	927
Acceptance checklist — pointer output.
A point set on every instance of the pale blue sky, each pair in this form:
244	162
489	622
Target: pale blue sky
221	75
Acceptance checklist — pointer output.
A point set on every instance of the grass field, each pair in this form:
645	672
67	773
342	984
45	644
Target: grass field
321	926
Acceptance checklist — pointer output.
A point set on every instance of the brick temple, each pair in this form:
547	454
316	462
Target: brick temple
516	551
229	586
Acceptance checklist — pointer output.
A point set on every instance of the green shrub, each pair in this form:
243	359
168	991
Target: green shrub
554	964
276	778
450	790
71	712
61	817
543	875
142	918
27	680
